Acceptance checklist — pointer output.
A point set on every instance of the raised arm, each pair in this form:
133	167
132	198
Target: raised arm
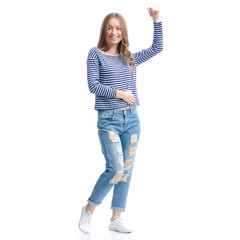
157	44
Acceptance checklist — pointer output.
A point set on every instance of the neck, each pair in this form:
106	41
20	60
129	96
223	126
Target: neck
114	49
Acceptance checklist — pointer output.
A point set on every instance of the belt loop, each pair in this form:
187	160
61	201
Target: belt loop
131	110
114	113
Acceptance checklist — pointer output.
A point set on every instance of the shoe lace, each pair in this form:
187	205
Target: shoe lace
121	220
89	217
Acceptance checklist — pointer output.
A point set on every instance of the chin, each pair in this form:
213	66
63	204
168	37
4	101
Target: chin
113	42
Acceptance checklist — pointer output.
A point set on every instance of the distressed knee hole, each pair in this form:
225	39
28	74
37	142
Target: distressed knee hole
121	161
134	138
119	148
128	164
117	177
114	137
132	151
124	178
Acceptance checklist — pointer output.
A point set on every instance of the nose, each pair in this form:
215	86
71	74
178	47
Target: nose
114	31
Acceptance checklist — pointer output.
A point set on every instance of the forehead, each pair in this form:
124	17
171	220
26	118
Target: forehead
114	22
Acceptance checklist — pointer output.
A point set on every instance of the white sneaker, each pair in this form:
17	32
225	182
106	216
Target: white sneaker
85	221
119	226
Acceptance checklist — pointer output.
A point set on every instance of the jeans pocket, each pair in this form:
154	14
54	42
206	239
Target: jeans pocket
105	115
134	111
104	118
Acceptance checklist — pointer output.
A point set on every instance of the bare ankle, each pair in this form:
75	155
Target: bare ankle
115	215
90	207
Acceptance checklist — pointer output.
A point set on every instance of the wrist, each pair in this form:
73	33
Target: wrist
156	20
119	94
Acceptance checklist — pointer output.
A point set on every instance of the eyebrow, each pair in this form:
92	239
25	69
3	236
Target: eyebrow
112	26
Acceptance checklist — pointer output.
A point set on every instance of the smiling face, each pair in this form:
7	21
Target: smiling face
114	31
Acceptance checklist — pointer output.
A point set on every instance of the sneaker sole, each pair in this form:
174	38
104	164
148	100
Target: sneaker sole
82	229
116	230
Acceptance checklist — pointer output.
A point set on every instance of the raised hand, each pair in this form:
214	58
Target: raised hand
154	13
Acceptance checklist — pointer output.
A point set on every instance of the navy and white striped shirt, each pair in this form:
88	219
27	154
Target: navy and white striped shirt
106	74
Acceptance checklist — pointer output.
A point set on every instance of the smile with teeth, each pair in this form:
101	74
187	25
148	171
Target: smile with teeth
114	37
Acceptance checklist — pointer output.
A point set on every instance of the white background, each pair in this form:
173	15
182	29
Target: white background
186	179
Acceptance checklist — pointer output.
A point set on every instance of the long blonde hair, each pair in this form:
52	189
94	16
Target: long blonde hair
104	44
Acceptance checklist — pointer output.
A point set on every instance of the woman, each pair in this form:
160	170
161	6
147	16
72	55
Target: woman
111	72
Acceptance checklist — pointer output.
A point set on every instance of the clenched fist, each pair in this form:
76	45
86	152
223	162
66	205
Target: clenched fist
154	13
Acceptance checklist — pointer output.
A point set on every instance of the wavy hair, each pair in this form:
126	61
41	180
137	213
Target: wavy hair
104	44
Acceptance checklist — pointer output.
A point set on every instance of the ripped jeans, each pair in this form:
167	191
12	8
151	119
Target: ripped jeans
119	132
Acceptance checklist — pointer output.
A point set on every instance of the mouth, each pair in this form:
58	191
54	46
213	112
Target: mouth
114	38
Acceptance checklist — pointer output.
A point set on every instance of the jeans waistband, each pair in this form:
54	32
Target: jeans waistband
131	110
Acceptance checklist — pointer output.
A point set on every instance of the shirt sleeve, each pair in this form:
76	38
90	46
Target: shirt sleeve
94	84
156	47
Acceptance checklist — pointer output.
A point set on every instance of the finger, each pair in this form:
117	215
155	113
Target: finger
150	10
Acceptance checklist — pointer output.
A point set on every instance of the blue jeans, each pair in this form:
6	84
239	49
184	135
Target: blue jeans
119	132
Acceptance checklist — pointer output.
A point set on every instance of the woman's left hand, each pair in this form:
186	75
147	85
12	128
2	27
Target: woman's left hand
154	13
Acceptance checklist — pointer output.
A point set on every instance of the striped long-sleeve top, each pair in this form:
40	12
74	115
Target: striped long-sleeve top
106	74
